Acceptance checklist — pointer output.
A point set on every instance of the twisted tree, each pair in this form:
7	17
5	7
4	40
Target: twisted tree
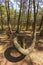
17	45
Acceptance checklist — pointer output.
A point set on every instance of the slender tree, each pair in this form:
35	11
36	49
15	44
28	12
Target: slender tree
1	16
19	17
8	12
41	28
41	23
23	8
37	7
34	23
28	19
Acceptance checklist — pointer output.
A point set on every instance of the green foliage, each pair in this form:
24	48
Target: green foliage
41	12
14	16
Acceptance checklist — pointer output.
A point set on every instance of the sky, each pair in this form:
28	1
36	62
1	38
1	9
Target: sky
15	6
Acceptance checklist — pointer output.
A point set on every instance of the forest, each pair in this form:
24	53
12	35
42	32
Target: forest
21	32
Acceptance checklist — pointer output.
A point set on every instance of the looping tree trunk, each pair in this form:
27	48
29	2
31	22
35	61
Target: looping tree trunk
30	49
22	50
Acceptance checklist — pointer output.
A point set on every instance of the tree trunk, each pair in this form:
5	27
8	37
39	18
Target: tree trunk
8	13
29	50
28	19
41	33
34	23
1	17
41	23
19	17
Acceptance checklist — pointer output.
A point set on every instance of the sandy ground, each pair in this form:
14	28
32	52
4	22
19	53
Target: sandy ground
35	58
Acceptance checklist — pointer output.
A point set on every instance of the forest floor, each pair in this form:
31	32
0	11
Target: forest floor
35	58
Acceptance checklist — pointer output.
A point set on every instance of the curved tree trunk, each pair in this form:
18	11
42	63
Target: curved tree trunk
29	50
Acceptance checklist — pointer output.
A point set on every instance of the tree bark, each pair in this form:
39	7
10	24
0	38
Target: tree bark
8	13
41	23
19	18
1	17
28	19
